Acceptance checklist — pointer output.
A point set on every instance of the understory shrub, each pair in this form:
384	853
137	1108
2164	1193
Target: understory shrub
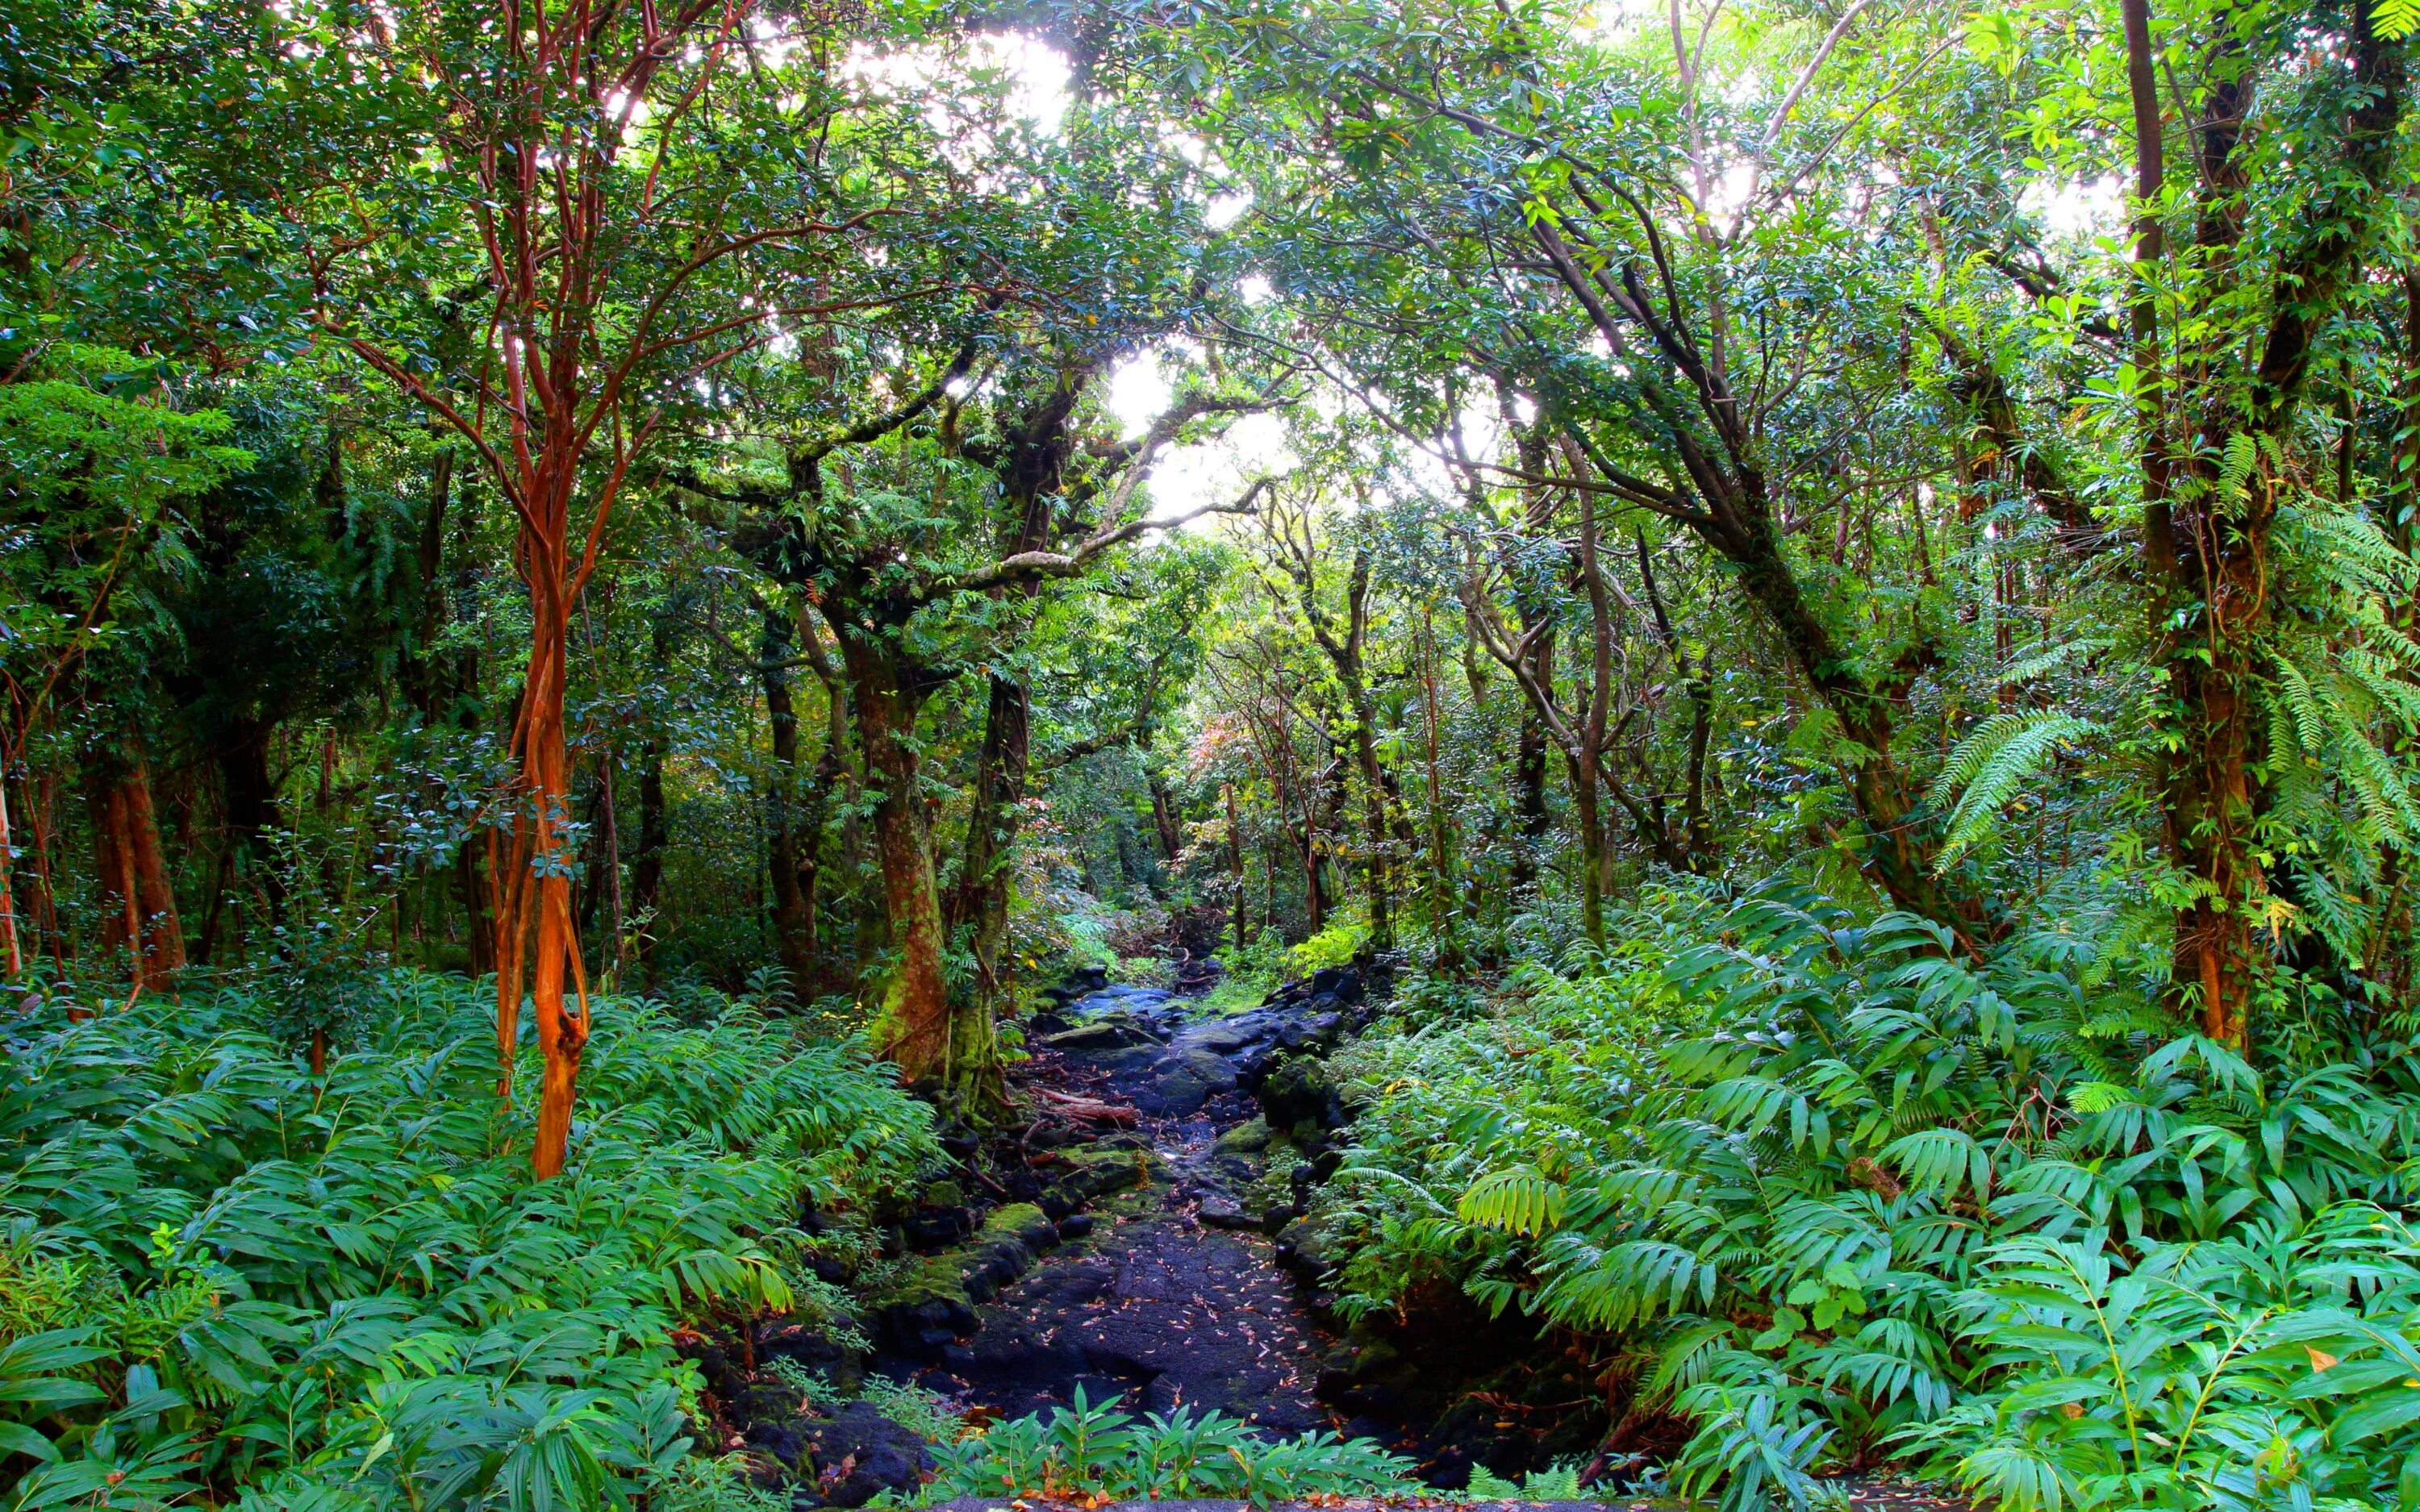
1838	1195
231	1280
1093	1450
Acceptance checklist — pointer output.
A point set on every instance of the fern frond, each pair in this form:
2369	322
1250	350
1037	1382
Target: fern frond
1988	765
1518	1202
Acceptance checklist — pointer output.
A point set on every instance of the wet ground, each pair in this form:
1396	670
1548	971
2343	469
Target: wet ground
1155	1305
1120	1245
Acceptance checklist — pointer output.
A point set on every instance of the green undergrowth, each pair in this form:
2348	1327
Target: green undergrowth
926	1414
228	1282
1092	1450
1838	1194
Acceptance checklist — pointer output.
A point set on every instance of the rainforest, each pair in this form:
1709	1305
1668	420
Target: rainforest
764	754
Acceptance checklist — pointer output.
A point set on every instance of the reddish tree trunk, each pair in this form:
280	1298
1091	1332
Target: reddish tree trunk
140	908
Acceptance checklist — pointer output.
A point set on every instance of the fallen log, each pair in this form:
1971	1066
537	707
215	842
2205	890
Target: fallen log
1089	1109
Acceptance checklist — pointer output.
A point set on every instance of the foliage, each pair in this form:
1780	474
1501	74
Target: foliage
1843	1192
1334	945
1089	1449
345	1291
1561	1484
926	1414
1816	447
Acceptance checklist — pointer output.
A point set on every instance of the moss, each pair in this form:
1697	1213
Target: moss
1014	1220
935	1278
1245	1138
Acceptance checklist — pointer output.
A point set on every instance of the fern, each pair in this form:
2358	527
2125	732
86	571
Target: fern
379	1306
1811	1141
1988	766
1515	1201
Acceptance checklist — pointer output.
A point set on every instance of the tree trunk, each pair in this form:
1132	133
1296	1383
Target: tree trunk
916	1027
1235	868
982	904
139	912
561	1031
1443	907
793	911
420	673
1586	809
41	912
15	954
2207	546
1163	817
470	884
655	837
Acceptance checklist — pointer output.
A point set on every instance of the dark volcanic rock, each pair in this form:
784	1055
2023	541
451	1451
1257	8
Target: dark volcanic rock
1295	1093
1157	1314
932	1227
1182	1080
859	1454
1114	1032
1226	1212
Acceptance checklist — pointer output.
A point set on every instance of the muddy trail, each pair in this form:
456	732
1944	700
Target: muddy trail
1116	1238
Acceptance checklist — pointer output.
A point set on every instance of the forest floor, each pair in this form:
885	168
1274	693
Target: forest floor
1175	1298
1142	1241
1179	1295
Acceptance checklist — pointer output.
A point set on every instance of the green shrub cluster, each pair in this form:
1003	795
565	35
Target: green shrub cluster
228	1280
1841	1194
1093	1450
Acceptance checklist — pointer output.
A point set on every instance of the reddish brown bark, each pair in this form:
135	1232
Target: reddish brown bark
15	956
2207	545
139	912
556	383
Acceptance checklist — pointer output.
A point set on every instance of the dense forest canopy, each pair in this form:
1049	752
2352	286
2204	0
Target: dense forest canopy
596	598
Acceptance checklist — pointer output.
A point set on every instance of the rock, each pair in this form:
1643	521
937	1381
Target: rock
1011	1238
1295	1093
923	1325
767	1401
806	1345
782	1440
1024	1223
1227	1038
1116	1033
1302	1250
1095	1171
859	1454
1226	1212
1182	1081
1321	1026
1076	1226
932	1227
1245	1138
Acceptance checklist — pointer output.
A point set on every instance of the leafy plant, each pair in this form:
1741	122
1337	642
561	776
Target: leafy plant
347	1287
1845	1190
1088	1449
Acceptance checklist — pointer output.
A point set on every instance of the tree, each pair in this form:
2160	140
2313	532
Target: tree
584	186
